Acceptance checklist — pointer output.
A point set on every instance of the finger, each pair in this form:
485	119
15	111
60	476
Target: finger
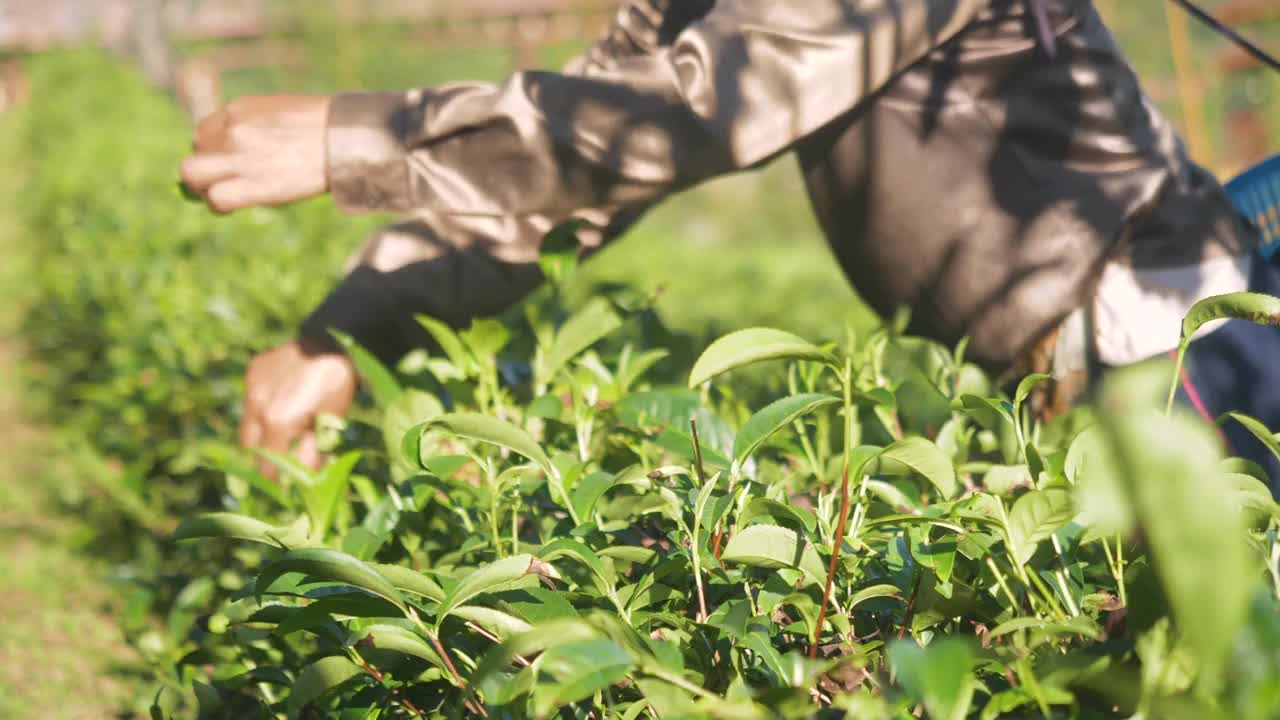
250	430
241	192
309	450
203	170
211	133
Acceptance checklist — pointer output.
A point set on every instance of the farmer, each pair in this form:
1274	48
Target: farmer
991	164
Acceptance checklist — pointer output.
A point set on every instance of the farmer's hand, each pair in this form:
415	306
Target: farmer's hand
260	150
286	388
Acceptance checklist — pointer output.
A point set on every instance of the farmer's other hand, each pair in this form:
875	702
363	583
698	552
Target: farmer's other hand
260	150
286	388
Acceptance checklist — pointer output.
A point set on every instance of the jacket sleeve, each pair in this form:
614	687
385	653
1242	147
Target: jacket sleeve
654	108
414	267
734	88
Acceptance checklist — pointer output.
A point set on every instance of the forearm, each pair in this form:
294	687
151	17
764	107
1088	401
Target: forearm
429	265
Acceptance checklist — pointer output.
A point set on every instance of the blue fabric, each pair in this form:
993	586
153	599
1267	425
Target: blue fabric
1236	368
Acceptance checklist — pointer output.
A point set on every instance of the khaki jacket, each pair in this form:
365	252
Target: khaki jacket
954	166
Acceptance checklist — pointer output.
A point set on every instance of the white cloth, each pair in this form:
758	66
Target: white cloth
1138	313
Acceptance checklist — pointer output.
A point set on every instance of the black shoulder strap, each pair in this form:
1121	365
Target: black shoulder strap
1262	55
1043	29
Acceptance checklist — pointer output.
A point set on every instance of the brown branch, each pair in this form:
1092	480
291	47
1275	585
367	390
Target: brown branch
400	698
835	558
471	706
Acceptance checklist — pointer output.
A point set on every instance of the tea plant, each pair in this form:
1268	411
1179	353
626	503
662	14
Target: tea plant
893	537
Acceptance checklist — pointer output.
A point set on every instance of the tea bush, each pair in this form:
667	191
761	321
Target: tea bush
140	311
891	537
522	524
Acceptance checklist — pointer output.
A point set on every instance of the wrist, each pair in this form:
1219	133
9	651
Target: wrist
366	155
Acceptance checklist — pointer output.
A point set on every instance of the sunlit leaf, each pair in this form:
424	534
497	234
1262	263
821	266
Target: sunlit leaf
330	488
397	638
496	622
410	581
924	458
330	565
1035	516
779	512
381	383
482	428
602	576
448	341
873	592
230	525
1254	307
773	546
486	579
583	329
749	346
579	669
774	417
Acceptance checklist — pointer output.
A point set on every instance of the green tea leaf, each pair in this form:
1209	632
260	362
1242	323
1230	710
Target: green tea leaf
351	605
579	670
588	325
1166	464
1254	307
319	678
891	495
1260	431
410	581
873	592
1034	517
448	341
772	546
486	579
544	636
493	621
1082	626
637	367
602	576
589	490
322	499
329	565
926	459
938	675
482	428
989	413
752	345
1027	385
773	418
230	525
629	553
397	638
765	507
486	337
410	409
381	383
1250	494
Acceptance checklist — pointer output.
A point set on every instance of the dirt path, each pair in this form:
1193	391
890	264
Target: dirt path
59	640
61	650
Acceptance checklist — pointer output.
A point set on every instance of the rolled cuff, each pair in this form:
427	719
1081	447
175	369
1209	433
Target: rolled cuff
368	167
